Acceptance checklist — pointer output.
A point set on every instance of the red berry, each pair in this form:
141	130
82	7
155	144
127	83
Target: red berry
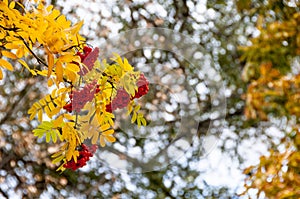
87	50
82	56
109	108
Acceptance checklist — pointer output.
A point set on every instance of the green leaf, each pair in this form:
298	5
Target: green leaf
54	136
144	122
58	159
38	132
47	137
47	128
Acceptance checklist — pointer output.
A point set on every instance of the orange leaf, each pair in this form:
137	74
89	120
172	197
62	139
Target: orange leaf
102	141
6	65
108	132
58	121
9	54
110	138
105	127
59	71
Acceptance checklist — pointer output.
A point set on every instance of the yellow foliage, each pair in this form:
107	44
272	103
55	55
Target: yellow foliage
46	30
43	26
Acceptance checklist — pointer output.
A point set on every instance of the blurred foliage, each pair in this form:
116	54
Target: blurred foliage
273	91
267	88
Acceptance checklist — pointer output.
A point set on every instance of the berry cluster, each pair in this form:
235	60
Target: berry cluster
86	51
80	97
88	58
122	98
120	101
143	87
84	155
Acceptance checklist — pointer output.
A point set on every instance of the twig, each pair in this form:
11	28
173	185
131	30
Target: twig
9	29
35	56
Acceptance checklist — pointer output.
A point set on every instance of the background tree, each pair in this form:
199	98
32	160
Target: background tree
272	62
220	27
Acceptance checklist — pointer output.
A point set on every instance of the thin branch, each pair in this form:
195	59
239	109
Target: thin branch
9	29
35	56
3	193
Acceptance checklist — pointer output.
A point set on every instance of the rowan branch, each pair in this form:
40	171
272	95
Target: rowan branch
35	56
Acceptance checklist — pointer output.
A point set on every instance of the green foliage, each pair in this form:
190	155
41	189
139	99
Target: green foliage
47	129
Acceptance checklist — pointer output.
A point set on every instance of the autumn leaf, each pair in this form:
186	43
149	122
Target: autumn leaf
5	64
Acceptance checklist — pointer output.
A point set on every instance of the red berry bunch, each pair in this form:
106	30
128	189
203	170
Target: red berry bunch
86	51
143	87
84	155
88	58
122	98
120	101
80	97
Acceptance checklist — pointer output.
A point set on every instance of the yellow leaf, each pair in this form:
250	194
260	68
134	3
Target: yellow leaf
37	105
9	54
49	8
56	154
127	66
11	46
48	112
73	67
48	98
75	29
42	73
67	58
104	127
144	122
102	141
2	34
32	112
26	66
50	82
6	64
69	117
137	108
51	106
58	121
61	19
134	116
59	71
55	13
108	132
61	167
20	52
43	102
110	138
12	5
55	110
1	75
40	115
95	137
58	159
69	155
